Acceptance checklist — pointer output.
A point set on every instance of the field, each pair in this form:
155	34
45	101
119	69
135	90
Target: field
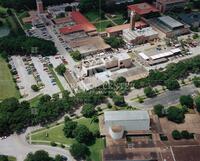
7	85
56	134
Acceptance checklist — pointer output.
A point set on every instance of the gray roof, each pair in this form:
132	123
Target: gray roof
126	115
170	21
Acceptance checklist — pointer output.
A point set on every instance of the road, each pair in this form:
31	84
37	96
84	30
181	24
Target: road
167	98
16	145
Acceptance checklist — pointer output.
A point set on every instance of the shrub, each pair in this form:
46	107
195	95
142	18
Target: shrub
159	110
35	88
53	143
185	134
176	135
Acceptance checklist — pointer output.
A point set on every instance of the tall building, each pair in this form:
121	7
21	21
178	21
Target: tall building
40	7
132	20
166	5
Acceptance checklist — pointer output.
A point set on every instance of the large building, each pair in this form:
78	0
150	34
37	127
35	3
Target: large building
116	122
143	9
167	5
102	62
169	26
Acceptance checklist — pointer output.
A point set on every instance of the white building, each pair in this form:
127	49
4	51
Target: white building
116	122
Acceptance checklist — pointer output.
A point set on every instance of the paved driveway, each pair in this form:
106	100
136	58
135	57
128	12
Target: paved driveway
16	145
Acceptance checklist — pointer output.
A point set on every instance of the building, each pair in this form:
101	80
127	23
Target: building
118	30
40	7
143	9
192	19
102	62
169	26
167	5
116	122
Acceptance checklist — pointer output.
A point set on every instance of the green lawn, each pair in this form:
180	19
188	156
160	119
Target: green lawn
7	85
101	26
56	134
34	101
119	21
93	16
11	158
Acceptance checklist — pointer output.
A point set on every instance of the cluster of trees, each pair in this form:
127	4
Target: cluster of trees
170	76
30	4
114	42
3	158
177	135
150	92
23	45
15	116
61	69
196	81
42	155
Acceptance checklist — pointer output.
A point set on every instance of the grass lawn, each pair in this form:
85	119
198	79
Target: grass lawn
119	21
101	26
3	10
56	134
34	101
11	158
93	16
7	85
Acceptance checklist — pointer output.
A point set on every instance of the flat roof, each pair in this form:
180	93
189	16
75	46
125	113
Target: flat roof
144	56
142	8
126	115
190	18
170	21
162	55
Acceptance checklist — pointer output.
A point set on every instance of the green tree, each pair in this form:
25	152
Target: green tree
79	151
88	110
149	92
35	88
185	134
176	135
69	128
3	158
196	81
197	103
172	84
114	42
119	100
187	101
159	110
40	155
175	114
82	134
60	69
76	55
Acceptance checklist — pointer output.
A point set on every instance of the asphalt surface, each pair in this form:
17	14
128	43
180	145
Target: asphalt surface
16	145
168	98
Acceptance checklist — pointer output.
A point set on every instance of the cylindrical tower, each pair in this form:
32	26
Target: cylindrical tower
132	20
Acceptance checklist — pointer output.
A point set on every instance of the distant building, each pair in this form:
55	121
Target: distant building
169	26
166	5
109	2
143	9
116	122
192	19
40	7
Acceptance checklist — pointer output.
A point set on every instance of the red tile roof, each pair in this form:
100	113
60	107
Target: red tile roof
142	8
80	19
71	29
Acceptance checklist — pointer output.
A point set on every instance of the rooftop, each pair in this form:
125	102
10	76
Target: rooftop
142	8
62	20
126	115
190	18
171	1
170	21
71	29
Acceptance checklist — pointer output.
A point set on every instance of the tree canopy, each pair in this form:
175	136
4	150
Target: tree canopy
79	151
60	69
175	114
187	101
88	110
159	110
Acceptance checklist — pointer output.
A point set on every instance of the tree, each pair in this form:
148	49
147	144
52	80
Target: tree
118	100
69	128
159	110
35	88
45	98
79	151
172	84
121	80
176	135
88	110
40	155
197	103
60	69
82	134
76	55
187	101
3	158
175	114
185	134
114	42
149	92
196	81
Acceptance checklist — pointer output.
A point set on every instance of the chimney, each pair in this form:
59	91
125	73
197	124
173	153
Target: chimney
132	20
40	7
